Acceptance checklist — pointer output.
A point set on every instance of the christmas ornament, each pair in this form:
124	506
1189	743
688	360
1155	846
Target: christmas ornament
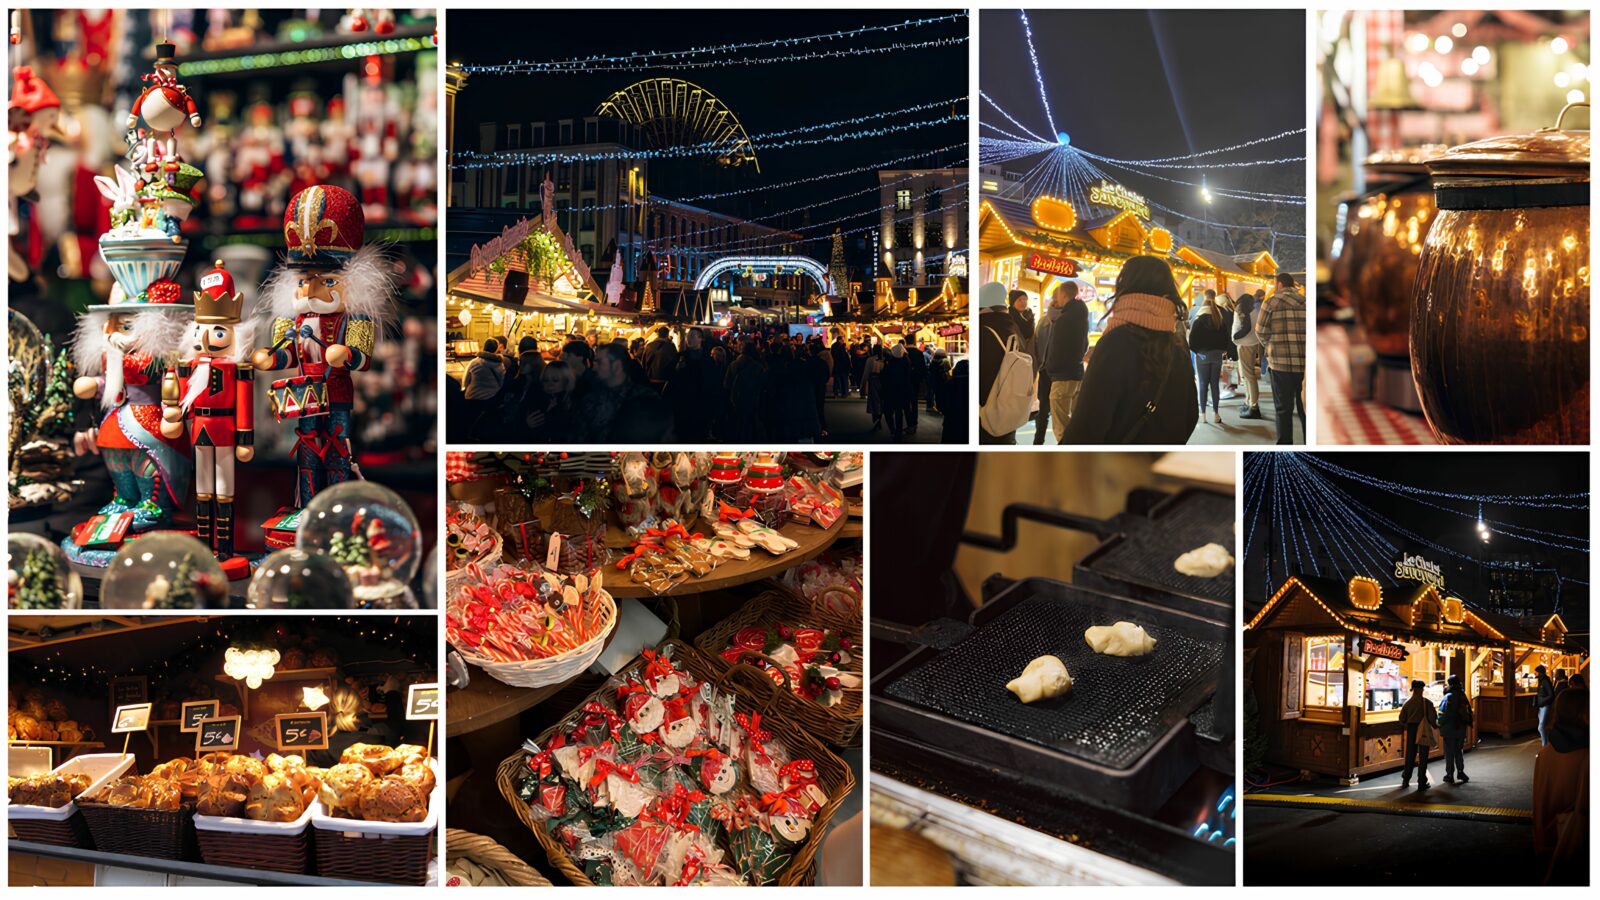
164	106
331	301
33	117
212	391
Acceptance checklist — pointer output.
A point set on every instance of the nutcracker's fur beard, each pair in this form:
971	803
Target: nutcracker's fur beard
157	332
369	289
244	340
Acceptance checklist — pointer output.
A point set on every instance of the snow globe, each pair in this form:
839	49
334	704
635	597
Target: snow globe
38	575
164	570
372	533
293	578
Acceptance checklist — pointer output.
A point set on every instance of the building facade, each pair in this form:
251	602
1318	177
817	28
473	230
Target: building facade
923	231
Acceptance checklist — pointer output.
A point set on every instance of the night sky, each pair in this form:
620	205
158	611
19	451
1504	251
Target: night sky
1478	473
1230	76
766	97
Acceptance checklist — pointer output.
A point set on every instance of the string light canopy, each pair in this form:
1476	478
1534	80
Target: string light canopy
720	54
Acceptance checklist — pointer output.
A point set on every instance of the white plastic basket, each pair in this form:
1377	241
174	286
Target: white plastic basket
241	825
533	673
321	821
102	767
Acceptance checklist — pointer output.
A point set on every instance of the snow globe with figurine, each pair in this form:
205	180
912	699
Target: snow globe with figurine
372	534
164	570
38	575
293	578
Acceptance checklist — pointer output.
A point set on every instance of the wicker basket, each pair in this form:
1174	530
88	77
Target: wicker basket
161	833
535	673
455	578
394	859
68	832
839	725
485	852
756	692
249	844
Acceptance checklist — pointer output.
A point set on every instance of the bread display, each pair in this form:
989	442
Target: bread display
54	791
274	799
380	759
142	792
393	799
380	784
342	787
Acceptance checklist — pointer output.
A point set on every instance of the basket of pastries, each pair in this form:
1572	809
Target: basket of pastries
143	815
812	654
469	539
43	808
253	813
379	808
530	629
674	773
472	860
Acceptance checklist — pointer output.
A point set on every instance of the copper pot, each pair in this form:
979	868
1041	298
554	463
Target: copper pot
1500	306
1384	244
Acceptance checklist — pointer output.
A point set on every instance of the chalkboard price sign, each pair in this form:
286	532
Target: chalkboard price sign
132	717
129	690
422	702
301	731
217	734
196	710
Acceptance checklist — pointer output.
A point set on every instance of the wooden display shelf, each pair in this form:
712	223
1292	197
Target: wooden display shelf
487	701
761	564
91	744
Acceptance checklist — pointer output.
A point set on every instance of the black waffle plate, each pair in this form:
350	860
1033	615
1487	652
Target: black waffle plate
1121	733
1138	561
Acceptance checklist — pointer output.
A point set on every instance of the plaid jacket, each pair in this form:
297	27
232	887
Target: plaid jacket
1282	327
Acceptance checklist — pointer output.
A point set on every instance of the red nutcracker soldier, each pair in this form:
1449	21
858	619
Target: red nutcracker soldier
213	391
330	303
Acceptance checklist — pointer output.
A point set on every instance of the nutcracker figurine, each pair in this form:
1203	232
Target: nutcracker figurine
212	390
331	301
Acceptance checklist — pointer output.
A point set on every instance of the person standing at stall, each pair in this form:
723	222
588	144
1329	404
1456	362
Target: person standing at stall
1249	345
349	724
1543	699
1417	717
1063	346
1282	326
1209	341
1455	719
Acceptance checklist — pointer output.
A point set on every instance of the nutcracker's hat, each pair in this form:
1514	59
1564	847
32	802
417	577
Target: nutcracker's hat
323	227
217	303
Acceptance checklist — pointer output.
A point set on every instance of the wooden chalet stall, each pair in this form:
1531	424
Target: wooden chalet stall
1331	663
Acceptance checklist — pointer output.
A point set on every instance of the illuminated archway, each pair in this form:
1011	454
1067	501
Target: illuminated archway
768	265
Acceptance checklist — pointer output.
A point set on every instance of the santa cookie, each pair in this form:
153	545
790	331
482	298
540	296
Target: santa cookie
681	726
718	773
643	711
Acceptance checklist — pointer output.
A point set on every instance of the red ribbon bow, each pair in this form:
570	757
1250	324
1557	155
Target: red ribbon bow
604	767
752	726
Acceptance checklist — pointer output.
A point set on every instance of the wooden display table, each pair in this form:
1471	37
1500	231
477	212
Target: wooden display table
761	564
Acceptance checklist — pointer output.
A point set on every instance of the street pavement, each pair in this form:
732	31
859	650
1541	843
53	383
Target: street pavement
1231	431
1389	845
848	423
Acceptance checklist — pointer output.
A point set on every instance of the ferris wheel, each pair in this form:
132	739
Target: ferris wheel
672	112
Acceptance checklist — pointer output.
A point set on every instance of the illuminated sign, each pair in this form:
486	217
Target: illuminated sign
1384	649
1415	568
510	237
1053	265
1116	196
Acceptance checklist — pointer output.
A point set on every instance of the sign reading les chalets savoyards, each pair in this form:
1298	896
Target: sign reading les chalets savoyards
1412	567
1384	649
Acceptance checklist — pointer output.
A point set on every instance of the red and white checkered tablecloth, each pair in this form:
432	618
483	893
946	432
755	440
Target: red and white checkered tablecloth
1342	419
458	467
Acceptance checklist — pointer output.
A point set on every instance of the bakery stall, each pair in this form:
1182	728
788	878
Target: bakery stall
1052	646
1330	665
187	750
655	666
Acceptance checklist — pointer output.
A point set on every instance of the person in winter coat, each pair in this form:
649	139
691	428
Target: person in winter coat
919	376
1137	388
547	414
938	379
694	389
872	386
1561	791
1455	719
841	368
953	404
1249	344
659	357
1210	340
1416	710
485	375
1063	345
996	327
898	396
746	381
1543	699
1023	317
1282	327
819	373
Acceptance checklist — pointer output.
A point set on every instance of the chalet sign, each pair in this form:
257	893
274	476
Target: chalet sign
1116	196
1411	567
1384	649
1053	265
510	237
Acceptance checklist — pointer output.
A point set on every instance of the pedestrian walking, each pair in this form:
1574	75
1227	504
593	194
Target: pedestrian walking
1282	326
1544	696
1417	717
1455	720
1210	340
1249	344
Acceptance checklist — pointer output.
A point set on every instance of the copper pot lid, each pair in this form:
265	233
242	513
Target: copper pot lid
1404	160
1549	153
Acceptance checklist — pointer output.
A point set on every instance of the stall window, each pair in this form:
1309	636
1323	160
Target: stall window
1385	686
1324	671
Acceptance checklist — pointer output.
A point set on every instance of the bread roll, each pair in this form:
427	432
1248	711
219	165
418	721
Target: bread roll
342	787
393	799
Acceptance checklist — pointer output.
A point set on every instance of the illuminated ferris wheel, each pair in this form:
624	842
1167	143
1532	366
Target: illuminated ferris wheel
672	112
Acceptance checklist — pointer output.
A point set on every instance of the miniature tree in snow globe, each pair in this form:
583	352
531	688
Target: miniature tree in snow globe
293	578
372	534
164	570
38	575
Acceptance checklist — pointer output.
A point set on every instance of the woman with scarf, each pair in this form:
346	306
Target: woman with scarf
1138	387
1561	790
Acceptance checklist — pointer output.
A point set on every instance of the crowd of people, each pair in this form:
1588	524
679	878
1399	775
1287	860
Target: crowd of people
708	386
1154	359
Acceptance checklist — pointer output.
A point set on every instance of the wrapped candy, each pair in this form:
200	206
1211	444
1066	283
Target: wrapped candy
510	614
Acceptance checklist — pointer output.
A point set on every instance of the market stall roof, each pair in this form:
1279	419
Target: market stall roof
1004	224
476	275
1420	614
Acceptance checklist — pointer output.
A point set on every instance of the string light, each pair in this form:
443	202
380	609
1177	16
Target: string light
1241	164
1240	146
654	58
958	186
1009	117
724	62
1038	77
506	159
